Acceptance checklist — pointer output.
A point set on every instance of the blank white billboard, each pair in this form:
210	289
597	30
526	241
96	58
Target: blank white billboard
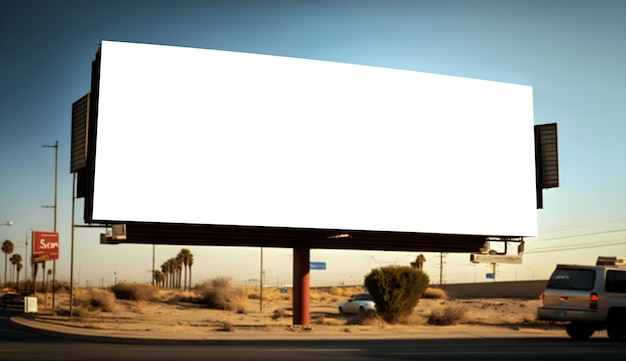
224	138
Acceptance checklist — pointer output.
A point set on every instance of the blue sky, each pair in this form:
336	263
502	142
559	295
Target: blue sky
572	53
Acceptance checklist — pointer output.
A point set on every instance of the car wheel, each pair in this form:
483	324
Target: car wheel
361	310
616	329
580	331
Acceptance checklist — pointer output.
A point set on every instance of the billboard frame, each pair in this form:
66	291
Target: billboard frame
181	233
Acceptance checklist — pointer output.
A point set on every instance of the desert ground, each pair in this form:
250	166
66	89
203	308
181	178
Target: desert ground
177	311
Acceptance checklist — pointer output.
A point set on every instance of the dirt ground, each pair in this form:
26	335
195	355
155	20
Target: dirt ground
176	316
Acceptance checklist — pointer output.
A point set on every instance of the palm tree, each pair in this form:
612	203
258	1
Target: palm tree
180	261
171	270
43	279
35	270
158	277
189	264
18	267
15	259
177	271
164	273
7	249
184	255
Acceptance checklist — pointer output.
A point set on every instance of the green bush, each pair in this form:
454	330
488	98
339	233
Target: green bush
396	290
134	292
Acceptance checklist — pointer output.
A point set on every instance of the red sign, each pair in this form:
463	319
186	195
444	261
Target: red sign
45	246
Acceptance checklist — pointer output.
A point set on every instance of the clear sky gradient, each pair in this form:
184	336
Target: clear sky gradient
572	53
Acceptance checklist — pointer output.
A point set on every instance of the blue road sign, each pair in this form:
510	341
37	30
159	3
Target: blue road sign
317	265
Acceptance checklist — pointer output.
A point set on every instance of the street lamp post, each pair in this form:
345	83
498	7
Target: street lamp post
56	178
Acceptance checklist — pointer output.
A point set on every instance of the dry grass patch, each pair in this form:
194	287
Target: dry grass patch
134	292
446	316
94	299
322	320
369	318
280	313
226	325
270	294
221	294
435	293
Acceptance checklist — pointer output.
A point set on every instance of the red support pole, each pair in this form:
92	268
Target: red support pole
301	285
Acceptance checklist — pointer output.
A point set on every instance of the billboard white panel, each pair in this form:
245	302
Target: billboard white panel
214	137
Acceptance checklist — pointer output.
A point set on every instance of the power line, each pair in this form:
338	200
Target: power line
570	226
589	223
582	246
583	235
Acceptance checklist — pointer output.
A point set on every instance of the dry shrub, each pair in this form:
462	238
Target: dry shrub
280	313
435	293
220	294
41	299
226	325
94	299
447	316
77	311
317	295
269	293
413	320
336	291
80	312
174	296
324	295
346	291
369	318
325	321
62	288
134	292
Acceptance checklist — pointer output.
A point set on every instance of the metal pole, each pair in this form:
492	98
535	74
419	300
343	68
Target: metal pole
72	249
56	192
440	267
261	282
56	178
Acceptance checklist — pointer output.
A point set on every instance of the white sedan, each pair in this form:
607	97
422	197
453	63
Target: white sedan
360	303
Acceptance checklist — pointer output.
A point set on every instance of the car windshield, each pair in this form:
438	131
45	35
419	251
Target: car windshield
572	279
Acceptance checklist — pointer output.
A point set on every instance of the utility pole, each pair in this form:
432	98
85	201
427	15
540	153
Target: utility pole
56	178
441	258
153	269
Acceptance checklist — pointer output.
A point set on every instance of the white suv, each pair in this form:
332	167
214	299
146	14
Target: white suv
591	298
